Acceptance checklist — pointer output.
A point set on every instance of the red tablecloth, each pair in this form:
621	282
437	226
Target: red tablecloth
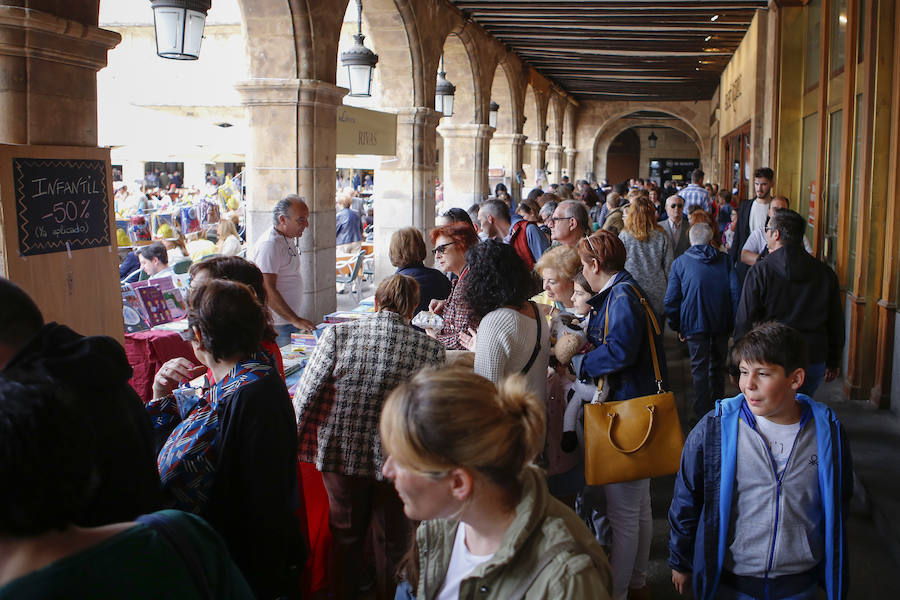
147	351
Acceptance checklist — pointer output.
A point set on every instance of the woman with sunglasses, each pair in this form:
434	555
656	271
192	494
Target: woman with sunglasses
460	455
451	242
621	355
231	454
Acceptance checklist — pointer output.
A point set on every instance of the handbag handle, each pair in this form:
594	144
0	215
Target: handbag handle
612	417
652	329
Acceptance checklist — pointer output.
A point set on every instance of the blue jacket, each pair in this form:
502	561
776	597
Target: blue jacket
700	513
624	357
703	292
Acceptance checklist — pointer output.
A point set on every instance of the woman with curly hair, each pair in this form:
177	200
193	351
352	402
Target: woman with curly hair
512	336
649	255
450	244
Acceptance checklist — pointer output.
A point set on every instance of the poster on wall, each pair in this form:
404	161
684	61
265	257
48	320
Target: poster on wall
61	205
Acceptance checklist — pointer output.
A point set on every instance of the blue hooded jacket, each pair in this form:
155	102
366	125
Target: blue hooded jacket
700	513
703	292
624	357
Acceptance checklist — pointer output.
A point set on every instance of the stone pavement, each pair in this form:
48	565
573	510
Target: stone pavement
874	528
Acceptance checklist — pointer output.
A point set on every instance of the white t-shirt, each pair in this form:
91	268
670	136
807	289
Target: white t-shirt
276	254
758	214
756	243
462	562
780	439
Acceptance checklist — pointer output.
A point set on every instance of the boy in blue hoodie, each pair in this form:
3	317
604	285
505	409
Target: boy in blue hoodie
763	492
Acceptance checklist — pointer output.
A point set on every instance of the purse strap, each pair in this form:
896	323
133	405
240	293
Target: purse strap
163	524
537	344
652	330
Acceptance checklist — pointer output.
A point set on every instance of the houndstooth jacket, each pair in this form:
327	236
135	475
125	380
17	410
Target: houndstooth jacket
339	397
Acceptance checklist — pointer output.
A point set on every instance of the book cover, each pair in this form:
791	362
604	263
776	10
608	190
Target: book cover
154	305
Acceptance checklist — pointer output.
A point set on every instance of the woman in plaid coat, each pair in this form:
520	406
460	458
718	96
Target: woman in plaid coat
338	401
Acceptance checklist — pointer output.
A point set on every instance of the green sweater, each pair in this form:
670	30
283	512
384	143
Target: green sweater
541	522
138	564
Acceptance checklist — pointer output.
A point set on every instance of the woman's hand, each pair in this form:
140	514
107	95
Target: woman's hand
172	373
681	581
437	306
468	339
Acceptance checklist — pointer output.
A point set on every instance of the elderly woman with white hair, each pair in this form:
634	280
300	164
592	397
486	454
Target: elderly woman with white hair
701	302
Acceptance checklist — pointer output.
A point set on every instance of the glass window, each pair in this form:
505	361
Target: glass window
809	188
813	31
854	192
834	181
838	19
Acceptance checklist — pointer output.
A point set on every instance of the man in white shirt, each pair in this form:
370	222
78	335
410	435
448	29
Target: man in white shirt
755	246
278	257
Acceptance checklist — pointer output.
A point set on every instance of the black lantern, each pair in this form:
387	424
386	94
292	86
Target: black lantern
652	139
359	61
443	93
179	27
495	109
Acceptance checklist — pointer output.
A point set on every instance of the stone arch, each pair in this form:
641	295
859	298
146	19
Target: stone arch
533	128
611	131
387	34
502	93
272	50
463	71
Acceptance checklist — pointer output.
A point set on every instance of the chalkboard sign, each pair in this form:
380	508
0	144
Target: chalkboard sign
61	205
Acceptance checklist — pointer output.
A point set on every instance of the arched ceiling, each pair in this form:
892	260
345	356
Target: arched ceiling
621	49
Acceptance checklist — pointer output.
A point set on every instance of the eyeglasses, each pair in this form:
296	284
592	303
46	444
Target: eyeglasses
441	249
553	220
676	206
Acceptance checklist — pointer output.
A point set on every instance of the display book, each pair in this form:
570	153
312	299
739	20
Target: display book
297	353
152	302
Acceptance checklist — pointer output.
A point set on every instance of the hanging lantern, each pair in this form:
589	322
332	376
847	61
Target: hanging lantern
443	93
179	27
359	61
652	139
495	109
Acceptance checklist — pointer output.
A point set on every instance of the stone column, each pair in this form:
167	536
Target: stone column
538	153
570	165
293	125
466	151
194	173
48	96
555	162
48	70
133	174
509	147
405	183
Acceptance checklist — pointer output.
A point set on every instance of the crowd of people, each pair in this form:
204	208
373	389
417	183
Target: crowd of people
452	453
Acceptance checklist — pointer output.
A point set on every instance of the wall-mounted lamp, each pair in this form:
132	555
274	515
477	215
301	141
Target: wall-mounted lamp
652	139
443	93
179	27
492	117
359	61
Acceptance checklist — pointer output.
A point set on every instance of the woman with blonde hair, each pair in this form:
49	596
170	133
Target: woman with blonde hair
229	243
460	453
648	252
558	268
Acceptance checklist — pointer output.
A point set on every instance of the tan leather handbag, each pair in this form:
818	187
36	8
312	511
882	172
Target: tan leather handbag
636	438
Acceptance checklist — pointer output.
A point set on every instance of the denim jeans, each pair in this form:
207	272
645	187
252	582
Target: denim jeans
708	353
284	334
814	375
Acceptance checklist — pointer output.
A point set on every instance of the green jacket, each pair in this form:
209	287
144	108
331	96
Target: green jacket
541	522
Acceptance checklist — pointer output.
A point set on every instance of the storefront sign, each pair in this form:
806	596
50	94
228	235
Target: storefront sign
362	131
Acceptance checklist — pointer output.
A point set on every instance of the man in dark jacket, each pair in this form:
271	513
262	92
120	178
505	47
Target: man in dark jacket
794	288
96	371
751	215
676	225
701	302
